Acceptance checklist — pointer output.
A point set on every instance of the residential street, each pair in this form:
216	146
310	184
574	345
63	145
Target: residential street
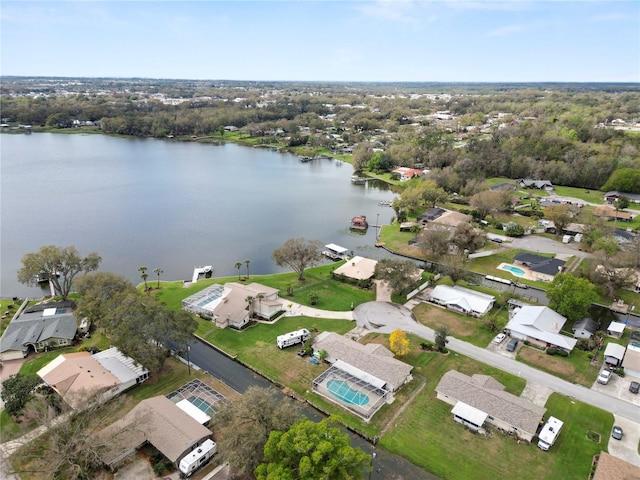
386	317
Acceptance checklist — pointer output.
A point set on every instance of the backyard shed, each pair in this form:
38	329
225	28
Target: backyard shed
615	329
614	354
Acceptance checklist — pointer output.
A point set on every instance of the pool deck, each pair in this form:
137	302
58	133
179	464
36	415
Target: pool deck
528	274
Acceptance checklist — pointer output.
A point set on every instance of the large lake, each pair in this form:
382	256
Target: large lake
173	205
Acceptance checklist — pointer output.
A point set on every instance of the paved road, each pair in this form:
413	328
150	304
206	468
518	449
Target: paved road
385	318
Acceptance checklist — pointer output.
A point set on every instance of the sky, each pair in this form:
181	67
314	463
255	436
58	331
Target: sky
351	40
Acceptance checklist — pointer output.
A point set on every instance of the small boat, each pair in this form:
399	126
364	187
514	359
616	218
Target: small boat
359	223
306	159
335	252
385	203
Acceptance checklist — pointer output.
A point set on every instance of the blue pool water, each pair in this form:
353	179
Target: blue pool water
518	272
344	392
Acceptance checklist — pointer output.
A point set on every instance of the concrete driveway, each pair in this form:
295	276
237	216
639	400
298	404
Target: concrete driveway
536	243
627	448
618	387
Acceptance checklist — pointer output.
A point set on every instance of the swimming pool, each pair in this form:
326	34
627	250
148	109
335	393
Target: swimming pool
518	272
201	404
341	389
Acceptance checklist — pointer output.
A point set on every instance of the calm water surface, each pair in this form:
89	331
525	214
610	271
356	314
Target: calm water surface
172	205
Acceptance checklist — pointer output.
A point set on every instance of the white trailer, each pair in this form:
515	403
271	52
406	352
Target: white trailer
292	338
198	457
549	433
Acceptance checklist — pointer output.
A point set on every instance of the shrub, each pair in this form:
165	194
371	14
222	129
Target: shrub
514	230
552	351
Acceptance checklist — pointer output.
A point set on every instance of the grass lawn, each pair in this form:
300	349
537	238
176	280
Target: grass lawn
469	329
332	294
591	196
576	368
426	434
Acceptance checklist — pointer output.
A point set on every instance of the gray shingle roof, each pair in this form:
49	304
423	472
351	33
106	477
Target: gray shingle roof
31	328
479	393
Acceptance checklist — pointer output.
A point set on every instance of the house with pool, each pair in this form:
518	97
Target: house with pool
361	378
233	304
540	326
534	267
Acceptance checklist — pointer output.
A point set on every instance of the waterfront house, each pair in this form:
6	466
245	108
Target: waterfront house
540	326
462	300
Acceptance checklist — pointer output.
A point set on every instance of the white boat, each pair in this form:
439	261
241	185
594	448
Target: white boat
201	272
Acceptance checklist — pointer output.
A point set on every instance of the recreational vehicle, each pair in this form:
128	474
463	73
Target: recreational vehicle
198	457
549	433
293	338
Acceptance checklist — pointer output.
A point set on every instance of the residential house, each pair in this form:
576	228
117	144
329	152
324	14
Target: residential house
539	325
431	215
39	328
615	329
481	399
631	362
233	304
544	268
614	354
585	328
539	184
614	195
374	359
407	173
452	219
157	421
610	213
81	377
357	268
462	300
609	467
623	236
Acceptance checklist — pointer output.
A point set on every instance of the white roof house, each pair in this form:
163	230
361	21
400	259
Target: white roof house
614	353
462	300
631	362
541	324
615	329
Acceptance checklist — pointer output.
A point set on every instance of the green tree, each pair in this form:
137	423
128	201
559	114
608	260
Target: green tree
60	265
434	241
244	426
312	451
99	293
298	254
440	338
571	296
238	265
621	203
402	275
489	201
158	271
247	262
624	180
467	237
17	390
561	216
144	275
361	156
454	267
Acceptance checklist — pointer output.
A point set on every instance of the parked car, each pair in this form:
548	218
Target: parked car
499	338
512	345
604	376
617	432
634	387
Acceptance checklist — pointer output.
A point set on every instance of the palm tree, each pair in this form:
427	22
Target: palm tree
144	275
260	296
158	271
238	265
249	301
247	262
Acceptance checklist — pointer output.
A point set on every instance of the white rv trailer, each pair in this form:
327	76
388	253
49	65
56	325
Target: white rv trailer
198	457
292	338
549	433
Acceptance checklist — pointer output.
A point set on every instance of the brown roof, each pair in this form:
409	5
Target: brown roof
77	376
156	420
607	211
481	393
452	219
360	268
632	359
612	468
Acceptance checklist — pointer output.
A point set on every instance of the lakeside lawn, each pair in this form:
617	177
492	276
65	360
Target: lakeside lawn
332	294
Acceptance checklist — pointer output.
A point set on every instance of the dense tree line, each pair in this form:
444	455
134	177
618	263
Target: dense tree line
555	132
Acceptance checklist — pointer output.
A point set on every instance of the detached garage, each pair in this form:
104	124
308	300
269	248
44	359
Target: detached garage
614	354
